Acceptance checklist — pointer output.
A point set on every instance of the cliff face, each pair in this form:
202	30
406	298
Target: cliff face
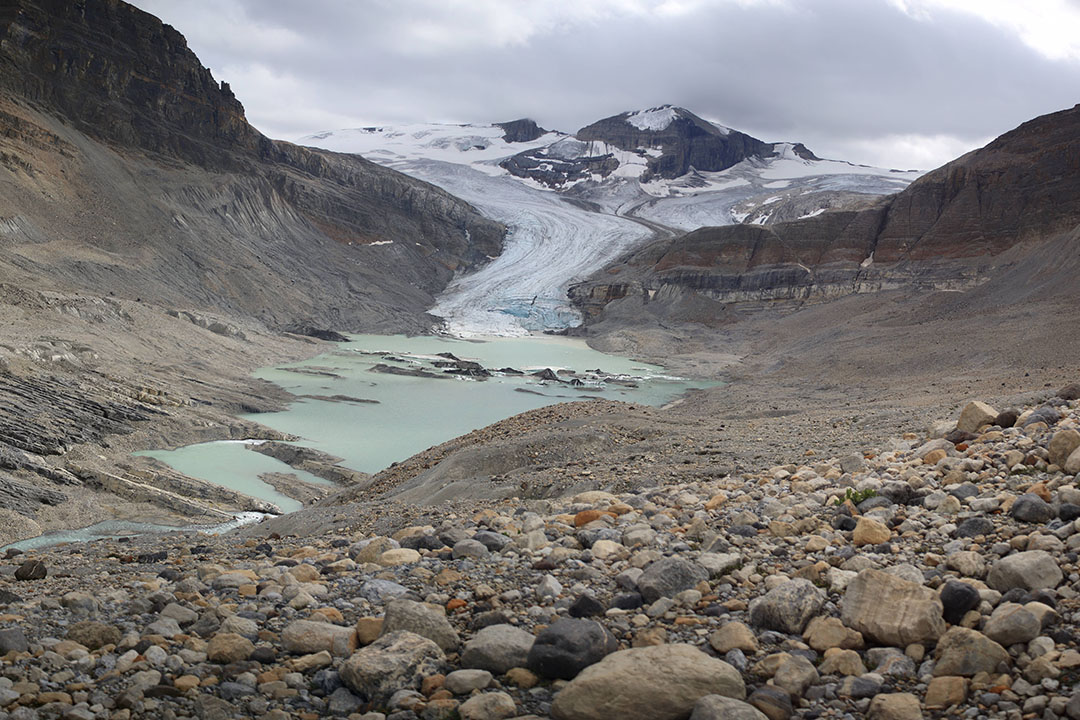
523	130
115	72
138	170
942	232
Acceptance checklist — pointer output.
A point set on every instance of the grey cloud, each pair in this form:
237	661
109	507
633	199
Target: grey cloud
839	75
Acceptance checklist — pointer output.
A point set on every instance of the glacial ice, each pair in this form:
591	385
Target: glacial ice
553	240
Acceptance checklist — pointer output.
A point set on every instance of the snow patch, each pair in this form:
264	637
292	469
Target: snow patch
481	146
653	119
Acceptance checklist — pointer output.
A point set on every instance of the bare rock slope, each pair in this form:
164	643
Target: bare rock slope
153	246
947	231
126	168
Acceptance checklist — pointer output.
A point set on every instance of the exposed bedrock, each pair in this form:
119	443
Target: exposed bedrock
944	232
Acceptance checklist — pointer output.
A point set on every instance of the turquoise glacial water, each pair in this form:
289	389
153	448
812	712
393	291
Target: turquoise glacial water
411	414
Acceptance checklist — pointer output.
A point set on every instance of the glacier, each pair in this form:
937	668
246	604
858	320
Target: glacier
557	237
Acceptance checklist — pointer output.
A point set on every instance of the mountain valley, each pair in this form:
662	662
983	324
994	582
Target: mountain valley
888	418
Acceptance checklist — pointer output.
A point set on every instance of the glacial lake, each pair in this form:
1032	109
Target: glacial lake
372	419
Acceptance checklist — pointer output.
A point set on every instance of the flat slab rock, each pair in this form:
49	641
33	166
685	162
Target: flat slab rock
891	610
663	682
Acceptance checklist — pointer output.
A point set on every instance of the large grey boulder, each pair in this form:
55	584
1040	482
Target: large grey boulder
668	577
967	652
718	707
393	662
424	620
891	610
1030	570
661	682
497	648
788	607
305	637
1011	623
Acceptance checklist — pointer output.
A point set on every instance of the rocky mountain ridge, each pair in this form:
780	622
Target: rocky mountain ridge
105	107
941	233
153	248
671	141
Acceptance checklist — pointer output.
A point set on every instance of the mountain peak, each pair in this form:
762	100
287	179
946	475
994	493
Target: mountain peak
521	130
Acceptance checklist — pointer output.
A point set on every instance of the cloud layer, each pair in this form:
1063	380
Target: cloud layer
897	83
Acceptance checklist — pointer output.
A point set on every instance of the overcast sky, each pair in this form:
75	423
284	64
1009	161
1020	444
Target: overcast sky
895	83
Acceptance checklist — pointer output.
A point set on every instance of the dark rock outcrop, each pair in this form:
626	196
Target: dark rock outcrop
523	130
684	145
688	141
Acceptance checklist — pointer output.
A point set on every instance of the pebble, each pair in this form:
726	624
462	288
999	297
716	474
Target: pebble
952	584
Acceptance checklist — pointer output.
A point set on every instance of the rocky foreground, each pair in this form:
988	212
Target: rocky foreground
937	577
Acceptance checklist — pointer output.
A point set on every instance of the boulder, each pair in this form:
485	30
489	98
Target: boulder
718	707
733	636
1031	508
975	415
719	563
773	702
967	563
463	682
303	637
566	647
225	648
31	570
794	675
1011	623
182	615
393	662
13	640
965	652
956	599
93	634
1072	464
892	611
497	648
488	706
668	577
788	607
379	591
1030	570
662	682
869	531
946	690
894	706
424	620
1062	445
842	662
824	633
